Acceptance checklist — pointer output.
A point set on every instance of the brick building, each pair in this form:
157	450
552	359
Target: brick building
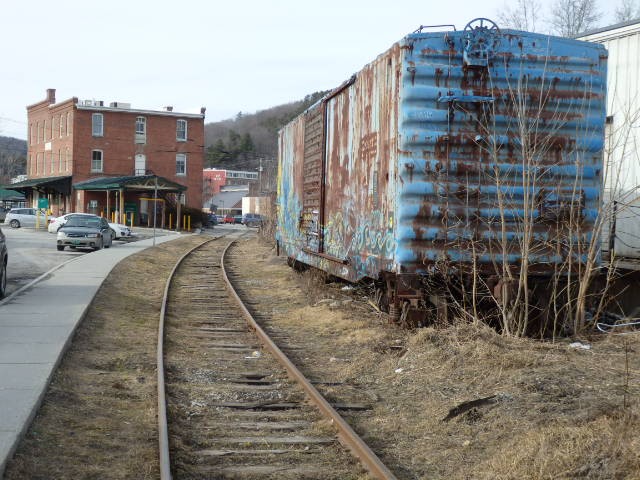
84	156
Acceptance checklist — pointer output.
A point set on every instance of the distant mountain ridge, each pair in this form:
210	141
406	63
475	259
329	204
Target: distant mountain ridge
13	158
241	143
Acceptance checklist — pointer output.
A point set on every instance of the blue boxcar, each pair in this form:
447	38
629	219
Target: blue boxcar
474	152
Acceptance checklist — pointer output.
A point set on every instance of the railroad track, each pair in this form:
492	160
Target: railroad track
235	407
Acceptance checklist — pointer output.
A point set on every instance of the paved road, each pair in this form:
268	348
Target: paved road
33	252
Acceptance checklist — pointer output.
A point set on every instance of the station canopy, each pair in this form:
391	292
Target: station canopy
131	183
47	184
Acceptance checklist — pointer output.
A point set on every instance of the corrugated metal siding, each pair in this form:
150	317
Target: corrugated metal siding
290	184
484	149
360	173
423	157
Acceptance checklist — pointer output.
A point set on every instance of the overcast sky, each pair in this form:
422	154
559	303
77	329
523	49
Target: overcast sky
227	56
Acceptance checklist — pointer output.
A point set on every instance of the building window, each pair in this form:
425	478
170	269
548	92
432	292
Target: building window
67	158
31	164
181	131
96	161
31	134
97	127
37	132
141	130
181	164
68	123
52	159
44	131
53	130
60	160
61	124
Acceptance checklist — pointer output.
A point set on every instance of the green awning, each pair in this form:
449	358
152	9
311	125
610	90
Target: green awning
139	182
57	184
10	195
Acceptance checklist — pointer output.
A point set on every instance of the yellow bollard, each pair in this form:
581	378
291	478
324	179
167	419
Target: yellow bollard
184	222
189	224
169	221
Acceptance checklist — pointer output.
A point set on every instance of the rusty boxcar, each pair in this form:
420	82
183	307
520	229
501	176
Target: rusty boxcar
474	152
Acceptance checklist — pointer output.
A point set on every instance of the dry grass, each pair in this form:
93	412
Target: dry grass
98	418
557	411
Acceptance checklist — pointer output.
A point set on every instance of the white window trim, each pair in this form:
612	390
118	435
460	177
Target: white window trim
60	126
182	156
68	125
93	125
93	170
141	136
144	125
178	138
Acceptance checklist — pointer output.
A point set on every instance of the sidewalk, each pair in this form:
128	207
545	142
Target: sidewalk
36	326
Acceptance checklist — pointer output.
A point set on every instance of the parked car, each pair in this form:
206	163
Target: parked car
22	217
56	222
220	218
237	219
229	219
4	256
85	232
252	220
209	221
120	231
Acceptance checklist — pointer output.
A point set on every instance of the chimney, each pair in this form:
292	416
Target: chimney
202	110
51	95
169	108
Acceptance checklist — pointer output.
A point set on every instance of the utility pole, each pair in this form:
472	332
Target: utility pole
155	203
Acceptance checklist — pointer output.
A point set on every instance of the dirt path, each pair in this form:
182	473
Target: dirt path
451	403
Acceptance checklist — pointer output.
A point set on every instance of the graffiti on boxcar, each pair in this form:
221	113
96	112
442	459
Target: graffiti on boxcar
373	237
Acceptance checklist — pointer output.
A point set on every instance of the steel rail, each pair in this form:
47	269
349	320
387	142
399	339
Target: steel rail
163	430
348	437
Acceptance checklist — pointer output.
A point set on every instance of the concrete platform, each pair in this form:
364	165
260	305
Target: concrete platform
37	323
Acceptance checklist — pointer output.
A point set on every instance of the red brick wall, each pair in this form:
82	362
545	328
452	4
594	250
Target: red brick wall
44	147
117	144
119	148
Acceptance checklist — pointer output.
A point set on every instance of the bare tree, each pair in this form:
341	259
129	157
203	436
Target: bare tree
523	16
571	17
627	10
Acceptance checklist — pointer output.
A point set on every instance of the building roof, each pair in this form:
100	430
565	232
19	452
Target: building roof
131	182
139	111
59	184
232	199
609	28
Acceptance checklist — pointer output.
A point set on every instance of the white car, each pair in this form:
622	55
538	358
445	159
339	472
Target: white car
56	222
120	230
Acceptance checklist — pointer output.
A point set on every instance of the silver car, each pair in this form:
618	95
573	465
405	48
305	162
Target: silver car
85	232
23	217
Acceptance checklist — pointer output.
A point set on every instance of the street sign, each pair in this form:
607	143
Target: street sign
43	203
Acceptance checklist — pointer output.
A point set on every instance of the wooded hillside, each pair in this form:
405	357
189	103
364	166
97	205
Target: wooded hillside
240	143
13	158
